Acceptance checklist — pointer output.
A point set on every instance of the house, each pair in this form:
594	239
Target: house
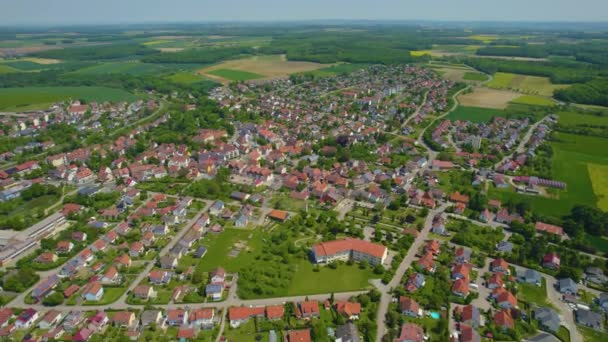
217	276
486	216
82	335
278	215
168	262
143	292
53	334
567	286
462	255
239	315
122	261
347	333
495	281
26	319
64	247
595	275
603	301
46	258
547	319
460	271
50	320
504	247
73	320
200	252
470	315
93	292
216	208
529	276
274	312
468	334
111	276
551	261
149	317
506	300
499	265
6	314
298	336
185	334
99	320
432	247
414	282
427	263
350	310
409	307
503	320
589	318
308	309
410	332
549	228
460	287
124	319
177	317
202	318
214	291
136	249
158	277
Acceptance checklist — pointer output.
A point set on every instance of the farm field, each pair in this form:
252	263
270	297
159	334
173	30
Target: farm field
599	180
534	100
184	77
5	69
454	73
485	38
235	75
474	114
447	50
131	68
41	97
265	66
488	98
576	119
533	85
475	76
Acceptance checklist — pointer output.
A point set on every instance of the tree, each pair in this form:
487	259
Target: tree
54	299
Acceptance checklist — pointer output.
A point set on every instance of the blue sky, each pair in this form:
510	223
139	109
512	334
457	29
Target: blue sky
136	11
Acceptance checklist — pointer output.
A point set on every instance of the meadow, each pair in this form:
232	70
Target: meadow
487	98
534	100
42	97
599	180
337	69
475	76
474	114
271	66
572	118
235	75
5	69
533	85
184	77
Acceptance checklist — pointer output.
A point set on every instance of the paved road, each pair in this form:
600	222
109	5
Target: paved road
405	264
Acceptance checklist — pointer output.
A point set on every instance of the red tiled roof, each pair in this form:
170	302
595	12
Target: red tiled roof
299	335
337	246
503	319
549	228
274	311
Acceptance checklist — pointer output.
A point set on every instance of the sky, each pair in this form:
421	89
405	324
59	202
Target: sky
57	12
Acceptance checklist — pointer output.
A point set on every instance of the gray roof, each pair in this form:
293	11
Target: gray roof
548	318
566	283
544	337
149	316
348	333
589	318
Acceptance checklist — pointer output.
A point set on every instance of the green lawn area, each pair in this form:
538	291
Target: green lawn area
220	245
110	295
475	76
563	334
572	154
534	100
235	75
474	114
32	206
533	294
185	77
343	279
5	69
246	333
592	335
18	98
598	242
577	118
599	181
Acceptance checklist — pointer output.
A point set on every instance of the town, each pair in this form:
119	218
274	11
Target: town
381	202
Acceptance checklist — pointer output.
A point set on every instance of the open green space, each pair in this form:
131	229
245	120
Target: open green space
534	85
129	67
573	118
600	243
220	245
475	76
337	69
533	294
592	335
16	98
342	279
474	114
184	77
5	69
599	181
235	75
32	206
534	100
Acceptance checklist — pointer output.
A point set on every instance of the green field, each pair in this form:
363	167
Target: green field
131	68
42	97
534	100
475	76
185	77
533	85
219	246
572	154
474	114
533	294
333	70
5	69
599	180
25	65
342	279
576	119
235	75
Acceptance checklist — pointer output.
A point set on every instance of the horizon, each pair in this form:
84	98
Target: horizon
42	13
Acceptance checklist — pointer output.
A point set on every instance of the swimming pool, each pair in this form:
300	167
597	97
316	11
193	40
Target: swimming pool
434	315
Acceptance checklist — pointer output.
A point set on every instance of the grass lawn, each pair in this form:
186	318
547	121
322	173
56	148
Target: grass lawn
534	294
577	118
343	279
599	181
17	98
32	206
598	242
475	114
592	335
534	100
220	245
475	76
235	75
563	334
185	77
246	333
110	295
